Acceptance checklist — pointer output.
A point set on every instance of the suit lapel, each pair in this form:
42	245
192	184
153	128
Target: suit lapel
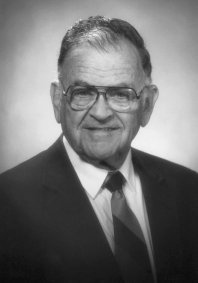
76	229
161	210
77	232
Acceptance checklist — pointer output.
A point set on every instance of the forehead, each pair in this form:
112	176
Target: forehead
116	66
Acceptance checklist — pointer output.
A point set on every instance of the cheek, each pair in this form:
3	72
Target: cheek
67	120
70	121
132	126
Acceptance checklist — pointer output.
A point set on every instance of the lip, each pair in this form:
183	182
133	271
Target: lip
102	129
105	129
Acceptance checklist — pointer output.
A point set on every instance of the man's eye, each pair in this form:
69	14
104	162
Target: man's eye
81	92
121	95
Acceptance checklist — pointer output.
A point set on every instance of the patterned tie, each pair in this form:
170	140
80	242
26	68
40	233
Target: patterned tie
130	247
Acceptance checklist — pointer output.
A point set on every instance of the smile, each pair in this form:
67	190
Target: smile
102	129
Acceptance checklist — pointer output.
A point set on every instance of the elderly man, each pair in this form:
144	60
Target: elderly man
90	208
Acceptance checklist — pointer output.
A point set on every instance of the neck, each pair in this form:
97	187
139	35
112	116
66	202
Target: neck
109	164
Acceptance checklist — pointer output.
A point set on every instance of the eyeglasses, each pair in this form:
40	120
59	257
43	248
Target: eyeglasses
120	99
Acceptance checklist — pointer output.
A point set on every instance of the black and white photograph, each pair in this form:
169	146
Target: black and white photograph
99	141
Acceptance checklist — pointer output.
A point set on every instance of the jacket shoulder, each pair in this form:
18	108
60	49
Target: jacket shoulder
24	171
166	167
31	171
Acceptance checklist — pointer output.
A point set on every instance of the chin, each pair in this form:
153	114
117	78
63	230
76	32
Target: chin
104	149
101	154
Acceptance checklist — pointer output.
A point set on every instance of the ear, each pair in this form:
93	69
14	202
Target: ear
56	96
150	96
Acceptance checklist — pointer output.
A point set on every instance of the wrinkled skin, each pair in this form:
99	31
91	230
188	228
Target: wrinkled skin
100	135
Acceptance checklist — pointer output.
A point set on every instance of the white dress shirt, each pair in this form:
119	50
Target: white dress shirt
92	179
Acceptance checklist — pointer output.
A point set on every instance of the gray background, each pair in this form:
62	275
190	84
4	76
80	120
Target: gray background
31	32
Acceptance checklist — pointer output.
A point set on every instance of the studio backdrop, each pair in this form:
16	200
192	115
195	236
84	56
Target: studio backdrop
31	34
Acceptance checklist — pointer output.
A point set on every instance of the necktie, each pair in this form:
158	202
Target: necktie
130	247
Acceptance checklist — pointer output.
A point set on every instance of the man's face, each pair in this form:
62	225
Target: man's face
100	135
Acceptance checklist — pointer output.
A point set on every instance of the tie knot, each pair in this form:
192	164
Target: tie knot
114	181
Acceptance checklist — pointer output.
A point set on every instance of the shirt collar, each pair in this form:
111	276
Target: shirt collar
92	177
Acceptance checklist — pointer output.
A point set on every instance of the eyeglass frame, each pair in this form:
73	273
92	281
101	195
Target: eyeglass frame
138	95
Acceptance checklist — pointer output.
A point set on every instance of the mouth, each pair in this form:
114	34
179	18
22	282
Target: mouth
102	129
105	129
101	134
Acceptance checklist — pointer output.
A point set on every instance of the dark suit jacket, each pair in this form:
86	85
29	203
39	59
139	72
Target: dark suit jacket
50	233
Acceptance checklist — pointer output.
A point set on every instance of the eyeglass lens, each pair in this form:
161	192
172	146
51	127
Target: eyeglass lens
120	99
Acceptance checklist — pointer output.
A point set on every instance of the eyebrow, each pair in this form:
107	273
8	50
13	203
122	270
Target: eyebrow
84	83
80	82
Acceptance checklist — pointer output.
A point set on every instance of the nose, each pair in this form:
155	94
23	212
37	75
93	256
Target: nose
101	110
